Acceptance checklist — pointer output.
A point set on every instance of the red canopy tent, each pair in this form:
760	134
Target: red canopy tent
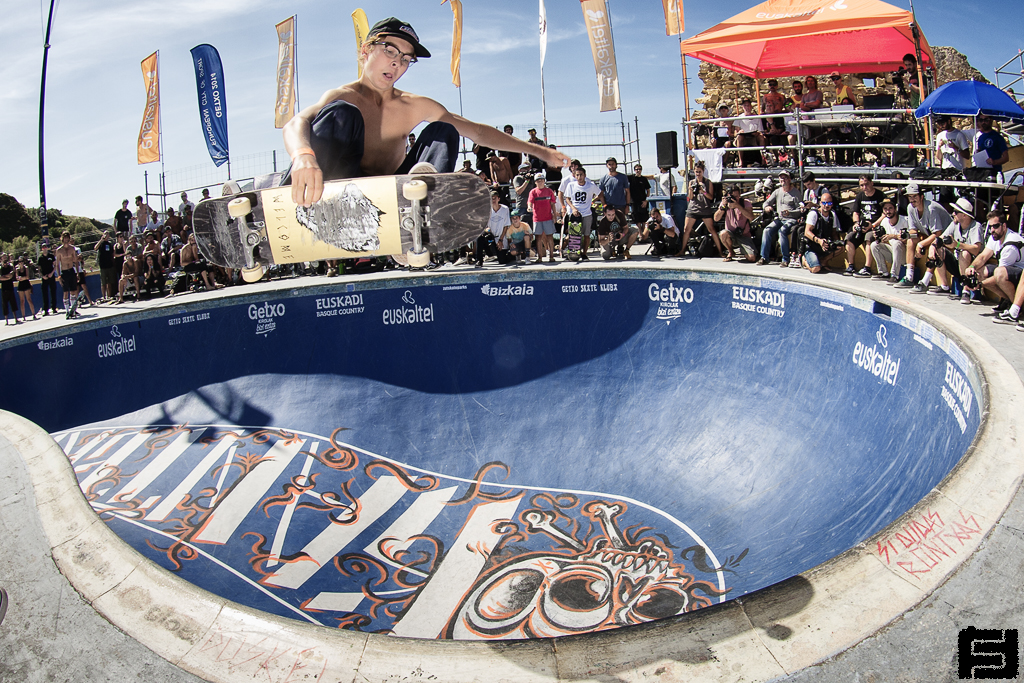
796	37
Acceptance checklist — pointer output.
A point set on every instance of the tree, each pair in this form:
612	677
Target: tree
15	219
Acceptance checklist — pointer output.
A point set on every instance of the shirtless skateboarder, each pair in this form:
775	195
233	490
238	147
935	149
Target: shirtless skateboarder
67	259
362	129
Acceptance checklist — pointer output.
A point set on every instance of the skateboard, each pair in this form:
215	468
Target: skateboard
574	238
404	215
73	306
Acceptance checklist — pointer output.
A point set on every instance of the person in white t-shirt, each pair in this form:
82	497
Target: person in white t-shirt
952	145
580	194
1006	247
496	224
749	132
952	250
890	250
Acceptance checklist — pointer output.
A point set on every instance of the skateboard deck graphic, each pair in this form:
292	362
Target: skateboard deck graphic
355	217
574	238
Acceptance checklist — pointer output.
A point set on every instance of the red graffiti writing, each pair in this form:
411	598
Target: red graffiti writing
921	544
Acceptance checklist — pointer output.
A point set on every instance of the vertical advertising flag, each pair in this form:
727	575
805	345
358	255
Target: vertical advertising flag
456	42
287	97
543	33
599	29
149	133
674	24
362	28
213	107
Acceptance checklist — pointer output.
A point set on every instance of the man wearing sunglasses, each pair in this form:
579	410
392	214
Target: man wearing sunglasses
361	129
820	234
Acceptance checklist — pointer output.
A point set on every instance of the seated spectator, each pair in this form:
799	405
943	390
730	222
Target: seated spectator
795	103
925	217
193	262
737	212
784	204
1012	314
170	247
820	235
749	133
128	277
952	250
173	222
662	231
867	209
889	248
614	234
723	131
1006	247
989	146
499	220
153	275
516	238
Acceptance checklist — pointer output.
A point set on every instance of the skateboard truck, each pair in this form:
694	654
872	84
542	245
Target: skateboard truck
413	220
239	208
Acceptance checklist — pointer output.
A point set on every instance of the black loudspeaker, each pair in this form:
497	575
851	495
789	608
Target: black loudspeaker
903	134
668	149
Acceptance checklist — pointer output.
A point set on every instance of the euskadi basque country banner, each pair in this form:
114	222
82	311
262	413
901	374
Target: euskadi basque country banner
674	23
213	107
599	28
149	133
284	107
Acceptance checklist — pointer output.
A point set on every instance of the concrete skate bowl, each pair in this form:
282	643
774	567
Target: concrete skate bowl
476	457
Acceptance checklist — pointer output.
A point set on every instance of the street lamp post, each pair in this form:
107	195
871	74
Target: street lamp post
43	223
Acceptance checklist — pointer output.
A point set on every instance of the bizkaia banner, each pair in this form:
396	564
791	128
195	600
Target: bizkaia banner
213	107
599	28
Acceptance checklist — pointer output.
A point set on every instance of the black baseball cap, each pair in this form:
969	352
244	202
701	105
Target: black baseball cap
398	29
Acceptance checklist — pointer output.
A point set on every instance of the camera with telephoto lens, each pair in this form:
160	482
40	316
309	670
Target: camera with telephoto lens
879	232
947	240
905	234
835	245
971	281
933	263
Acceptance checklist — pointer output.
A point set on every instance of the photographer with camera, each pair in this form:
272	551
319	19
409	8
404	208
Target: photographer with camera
925	217
738	213
1006	247
906	81
951	251
867	209
700	207
614	234
821	235
784	202
889	248
661	229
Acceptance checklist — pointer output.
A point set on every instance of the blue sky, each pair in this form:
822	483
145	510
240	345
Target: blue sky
95	96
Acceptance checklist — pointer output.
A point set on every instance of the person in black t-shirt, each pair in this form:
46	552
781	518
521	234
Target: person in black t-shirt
867	208
48	279
639	189
123	219
108	270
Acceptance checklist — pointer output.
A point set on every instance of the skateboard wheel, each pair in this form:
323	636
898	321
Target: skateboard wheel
415	189
240	207
252	275
419	260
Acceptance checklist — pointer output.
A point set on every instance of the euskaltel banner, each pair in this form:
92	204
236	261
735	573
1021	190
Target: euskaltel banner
213	108
599	29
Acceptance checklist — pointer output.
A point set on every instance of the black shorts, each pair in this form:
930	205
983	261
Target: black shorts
69	280
1013	272
640	214
857	238
24	286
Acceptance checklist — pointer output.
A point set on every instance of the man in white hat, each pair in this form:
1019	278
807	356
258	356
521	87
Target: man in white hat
950	251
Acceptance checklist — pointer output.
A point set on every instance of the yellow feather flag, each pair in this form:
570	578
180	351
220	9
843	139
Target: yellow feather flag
456	41
362	27
149	133
674	23
284	107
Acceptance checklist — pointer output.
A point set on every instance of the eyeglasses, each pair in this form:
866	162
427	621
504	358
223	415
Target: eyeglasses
392	52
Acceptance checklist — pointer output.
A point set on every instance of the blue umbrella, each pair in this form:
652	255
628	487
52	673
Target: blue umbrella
970	98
